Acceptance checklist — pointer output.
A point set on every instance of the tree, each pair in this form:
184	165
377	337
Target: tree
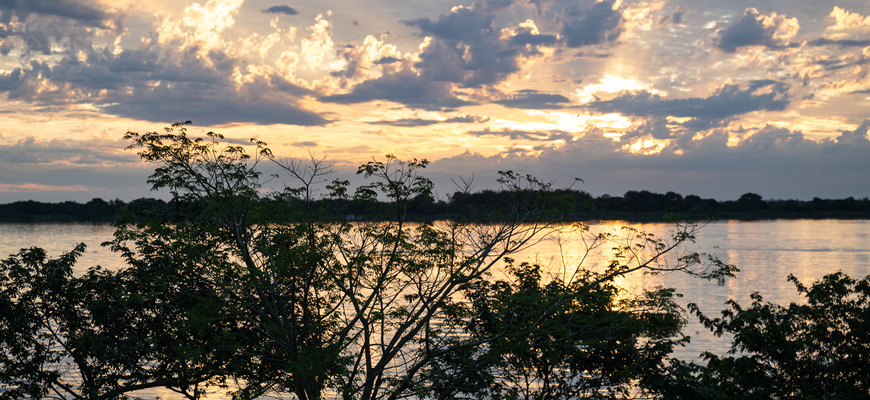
339	307
273	290
581	338
102	335
817	349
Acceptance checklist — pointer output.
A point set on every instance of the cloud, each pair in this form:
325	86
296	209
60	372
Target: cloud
414	122
846	19
677	16
78	11
528	38
839	42
187	72
546	136
772	161
464	47
32	151
728	101
54	26
756	29
286	10
461	51
405	88
600	23
370	60
206	106
387	60
534	99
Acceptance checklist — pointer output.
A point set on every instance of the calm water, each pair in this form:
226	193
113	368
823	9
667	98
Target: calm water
766	253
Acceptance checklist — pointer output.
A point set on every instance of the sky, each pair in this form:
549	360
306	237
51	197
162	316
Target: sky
713	98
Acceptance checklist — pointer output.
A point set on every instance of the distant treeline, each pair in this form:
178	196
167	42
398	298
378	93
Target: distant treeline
569	205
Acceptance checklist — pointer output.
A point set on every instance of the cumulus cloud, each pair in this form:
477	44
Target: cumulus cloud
846	19
369	60
286	10
141	85
189	70
466	48
462	51
728	101
60	26
598	24
756	29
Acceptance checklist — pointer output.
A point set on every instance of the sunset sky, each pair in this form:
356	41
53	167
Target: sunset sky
714	98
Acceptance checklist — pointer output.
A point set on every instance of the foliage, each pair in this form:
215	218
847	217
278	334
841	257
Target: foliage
99	336
532	339
816	349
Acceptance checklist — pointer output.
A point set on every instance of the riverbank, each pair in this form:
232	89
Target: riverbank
566	206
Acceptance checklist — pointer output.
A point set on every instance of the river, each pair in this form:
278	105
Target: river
765	251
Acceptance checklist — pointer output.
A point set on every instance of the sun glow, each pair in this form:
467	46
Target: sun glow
568	122
611	84
646	146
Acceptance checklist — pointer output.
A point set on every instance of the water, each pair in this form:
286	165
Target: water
766	252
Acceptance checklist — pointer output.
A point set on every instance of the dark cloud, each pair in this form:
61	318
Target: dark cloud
469	50
839	42
466	50
287	10
598	24
412	122
677	16
549	136
467	119
656	127
211	106
534	99
31	151
754	29
770	138
387	60
79	11
462	24
524	38
730	100
406	88
304	144
491	6
858	139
